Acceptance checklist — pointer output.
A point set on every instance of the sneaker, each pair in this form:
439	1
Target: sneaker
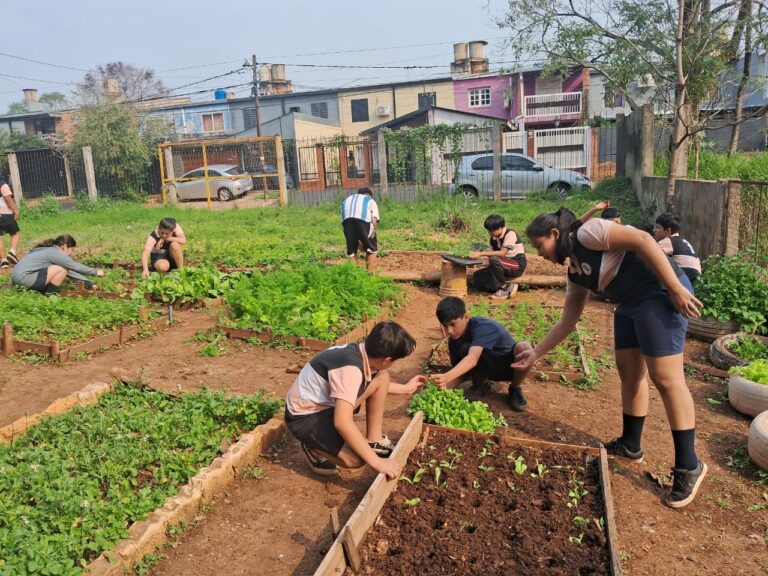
383	447
4	263
477	392
12	258
685	484
501	294
319	465
617	448
516	399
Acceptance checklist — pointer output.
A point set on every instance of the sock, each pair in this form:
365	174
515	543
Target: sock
632	431
685	453
51	289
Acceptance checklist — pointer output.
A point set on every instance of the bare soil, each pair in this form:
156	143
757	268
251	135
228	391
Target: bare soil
431	262
276	521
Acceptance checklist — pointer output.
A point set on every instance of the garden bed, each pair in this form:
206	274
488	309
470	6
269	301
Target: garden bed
567	363
93	473
470	503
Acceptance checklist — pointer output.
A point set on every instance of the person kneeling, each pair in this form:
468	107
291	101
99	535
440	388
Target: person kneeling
333	386
483	349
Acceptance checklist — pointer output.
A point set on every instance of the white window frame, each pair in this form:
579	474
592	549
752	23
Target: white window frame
212	116
480	97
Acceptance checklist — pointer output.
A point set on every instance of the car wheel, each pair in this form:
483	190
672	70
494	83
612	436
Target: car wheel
225	194
562	189
468	192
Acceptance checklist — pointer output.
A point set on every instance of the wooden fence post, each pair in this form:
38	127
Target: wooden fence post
68	176
497	138
281	170
8	348
170	175
13	168
90	174
381	152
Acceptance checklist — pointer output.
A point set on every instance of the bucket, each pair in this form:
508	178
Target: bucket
453	279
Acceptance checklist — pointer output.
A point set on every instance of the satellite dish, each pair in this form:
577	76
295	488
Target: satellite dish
642	89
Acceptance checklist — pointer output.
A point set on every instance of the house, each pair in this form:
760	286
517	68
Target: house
54	127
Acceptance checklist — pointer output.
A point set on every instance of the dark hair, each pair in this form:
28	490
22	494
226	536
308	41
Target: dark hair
167	224
389	340
610	212
63	240
669	221
450	309
493	222
564	221
365	190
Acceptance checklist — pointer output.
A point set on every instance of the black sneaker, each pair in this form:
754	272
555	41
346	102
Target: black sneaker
383	447
617	448
478	392
685	484
516	399
319	465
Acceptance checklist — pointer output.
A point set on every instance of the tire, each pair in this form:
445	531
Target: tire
560	188
225	194
747	397
707	329
724	358
757	445
468	192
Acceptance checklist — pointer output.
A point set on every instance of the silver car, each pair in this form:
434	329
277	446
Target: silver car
520	175
225	181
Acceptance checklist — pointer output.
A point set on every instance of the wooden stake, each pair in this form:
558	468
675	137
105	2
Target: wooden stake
8	347
55	350
335	525
350	549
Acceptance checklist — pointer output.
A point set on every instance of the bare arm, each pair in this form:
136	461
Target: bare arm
602	205
501	252
179	238
409	387
465	365
8	197
345	425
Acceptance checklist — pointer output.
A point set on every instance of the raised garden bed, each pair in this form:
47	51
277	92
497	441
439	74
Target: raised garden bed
79	482
310	305
471	503
737	350
567	363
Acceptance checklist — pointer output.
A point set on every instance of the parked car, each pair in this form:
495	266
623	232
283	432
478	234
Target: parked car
256	171
520	175
225	181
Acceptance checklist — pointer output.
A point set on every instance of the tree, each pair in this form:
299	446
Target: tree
50	101
134	83
685	47
120	149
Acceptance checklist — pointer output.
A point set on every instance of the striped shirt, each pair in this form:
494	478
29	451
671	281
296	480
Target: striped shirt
360	206
338	373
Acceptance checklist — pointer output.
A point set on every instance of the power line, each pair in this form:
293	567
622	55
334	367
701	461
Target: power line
43	63
36	79
199	66
169	90
350	66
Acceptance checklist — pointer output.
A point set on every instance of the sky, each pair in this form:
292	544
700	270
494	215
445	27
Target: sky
186	41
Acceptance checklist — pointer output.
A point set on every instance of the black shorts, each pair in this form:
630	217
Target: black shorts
316	431
358	232
40	282
162	255
8	224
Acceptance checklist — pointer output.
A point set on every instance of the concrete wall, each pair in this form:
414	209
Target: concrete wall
635	146
501	87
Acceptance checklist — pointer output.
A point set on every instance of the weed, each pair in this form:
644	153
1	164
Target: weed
148	561
255	472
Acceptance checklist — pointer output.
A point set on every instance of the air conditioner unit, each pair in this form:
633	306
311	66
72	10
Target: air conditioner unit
382	111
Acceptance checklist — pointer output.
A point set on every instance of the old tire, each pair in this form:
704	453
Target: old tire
724	358
708	329
747	397
757	446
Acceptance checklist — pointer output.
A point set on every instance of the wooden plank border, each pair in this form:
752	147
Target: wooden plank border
364	516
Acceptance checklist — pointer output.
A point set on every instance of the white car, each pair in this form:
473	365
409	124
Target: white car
520	175
225	181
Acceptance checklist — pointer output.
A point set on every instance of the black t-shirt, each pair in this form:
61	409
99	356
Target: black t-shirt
495	340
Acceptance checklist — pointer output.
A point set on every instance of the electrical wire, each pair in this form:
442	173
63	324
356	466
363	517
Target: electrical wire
43	63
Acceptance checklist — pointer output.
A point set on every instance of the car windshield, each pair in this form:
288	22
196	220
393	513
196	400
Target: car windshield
234	171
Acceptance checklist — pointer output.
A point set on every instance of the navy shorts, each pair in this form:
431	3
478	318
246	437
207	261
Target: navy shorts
653	325
162	255
8	225
316	430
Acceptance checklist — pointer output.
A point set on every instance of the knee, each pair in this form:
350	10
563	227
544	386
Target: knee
162	265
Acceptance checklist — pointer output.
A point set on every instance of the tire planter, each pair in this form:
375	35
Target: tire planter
747	397
708	329
757	446
724	358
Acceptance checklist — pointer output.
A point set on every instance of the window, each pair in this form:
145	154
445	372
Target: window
213	122
319	109
484	163
294	109
360	110
195	174
479	97
427	100
516	163
249	118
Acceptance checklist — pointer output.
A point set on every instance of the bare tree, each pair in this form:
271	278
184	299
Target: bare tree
134	83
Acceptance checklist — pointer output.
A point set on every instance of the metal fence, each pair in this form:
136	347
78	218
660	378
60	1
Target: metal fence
222	169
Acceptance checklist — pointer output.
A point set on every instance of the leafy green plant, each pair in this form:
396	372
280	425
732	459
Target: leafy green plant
747	347
450	408
520	465
71	487
734	289
577	492
310	300
756	371
412	502
539	470
485	468
416	476
188	284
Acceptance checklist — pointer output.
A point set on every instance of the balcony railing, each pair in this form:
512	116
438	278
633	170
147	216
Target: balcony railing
562	104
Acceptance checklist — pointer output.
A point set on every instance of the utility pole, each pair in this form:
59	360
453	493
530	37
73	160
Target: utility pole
255	70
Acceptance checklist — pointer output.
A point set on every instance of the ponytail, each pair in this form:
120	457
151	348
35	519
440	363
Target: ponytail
63	240
564	221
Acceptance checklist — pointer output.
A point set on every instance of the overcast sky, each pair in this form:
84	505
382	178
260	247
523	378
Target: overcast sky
211	38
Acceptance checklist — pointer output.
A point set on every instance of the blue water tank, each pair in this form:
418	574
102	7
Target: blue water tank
220	94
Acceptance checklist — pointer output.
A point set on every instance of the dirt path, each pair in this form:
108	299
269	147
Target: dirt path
277	523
